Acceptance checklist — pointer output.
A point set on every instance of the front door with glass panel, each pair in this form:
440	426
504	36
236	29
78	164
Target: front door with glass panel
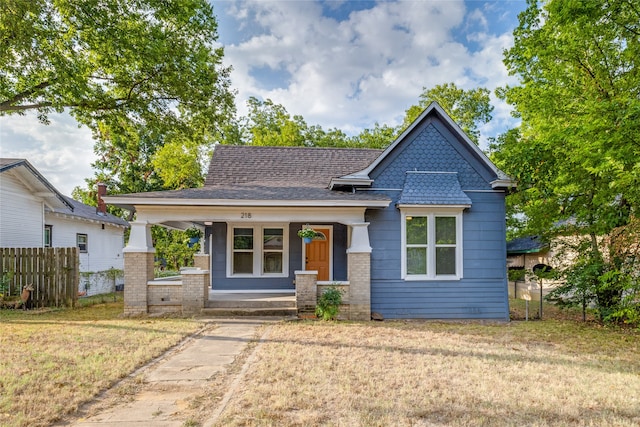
318	254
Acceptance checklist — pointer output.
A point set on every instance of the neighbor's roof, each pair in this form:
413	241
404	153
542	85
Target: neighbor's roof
297	166
56	201
526	245
80	210
37	183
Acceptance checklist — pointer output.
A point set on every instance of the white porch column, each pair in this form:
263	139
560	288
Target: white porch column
359	272
140	237
138	268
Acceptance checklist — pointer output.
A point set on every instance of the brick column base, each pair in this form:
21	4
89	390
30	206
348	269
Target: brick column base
195	290
201	261
138	270
359	276
306	291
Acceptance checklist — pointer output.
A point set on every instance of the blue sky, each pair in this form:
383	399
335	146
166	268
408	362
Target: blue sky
342	64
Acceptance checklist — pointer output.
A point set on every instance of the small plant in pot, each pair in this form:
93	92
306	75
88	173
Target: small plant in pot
307	234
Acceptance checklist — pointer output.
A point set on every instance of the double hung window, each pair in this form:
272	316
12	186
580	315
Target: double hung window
431	245
257	251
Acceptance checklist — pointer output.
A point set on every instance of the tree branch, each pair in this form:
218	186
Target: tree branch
9	104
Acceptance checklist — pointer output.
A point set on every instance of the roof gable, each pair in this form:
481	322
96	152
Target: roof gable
35	182
440	119
286	166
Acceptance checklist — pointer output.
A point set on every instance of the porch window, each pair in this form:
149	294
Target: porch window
243	251
258	251
432	245
272	248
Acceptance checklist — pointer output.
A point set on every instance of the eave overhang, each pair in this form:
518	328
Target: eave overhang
129	203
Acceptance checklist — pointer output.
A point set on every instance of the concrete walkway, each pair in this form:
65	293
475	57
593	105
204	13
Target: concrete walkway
183	373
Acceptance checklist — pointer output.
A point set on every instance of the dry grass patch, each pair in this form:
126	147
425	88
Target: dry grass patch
553	373
53	361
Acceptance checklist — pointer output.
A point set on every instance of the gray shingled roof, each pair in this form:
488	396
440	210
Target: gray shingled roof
80	210
286	191
291	166
433	188
526	245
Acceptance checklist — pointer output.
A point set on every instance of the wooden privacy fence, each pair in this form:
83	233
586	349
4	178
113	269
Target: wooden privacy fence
53	272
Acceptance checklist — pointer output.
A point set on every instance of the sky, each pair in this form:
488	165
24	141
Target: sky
338	64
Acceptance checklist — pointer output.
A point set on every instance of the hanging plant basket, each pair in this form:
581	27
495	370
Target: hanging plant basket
307	234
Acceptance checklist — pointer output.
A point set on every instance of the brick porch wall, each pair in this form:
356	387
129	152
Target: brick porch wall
138	270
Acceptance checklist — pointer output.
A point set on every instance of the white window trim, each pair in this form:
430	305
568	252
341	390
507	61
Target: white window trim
431	213
258	252
86	242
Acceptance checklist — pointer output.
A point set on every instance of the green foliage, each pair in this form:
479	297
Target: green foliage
468	108
172	246
575	153
110	61
516	275
307	232
5	283
328	304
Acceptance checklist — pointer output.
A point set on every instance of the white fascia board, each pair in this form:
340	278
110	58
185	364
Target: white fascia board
115	200
504	183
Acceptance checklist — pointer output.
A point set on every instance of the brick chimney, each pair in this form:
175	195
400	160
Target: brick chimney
102	206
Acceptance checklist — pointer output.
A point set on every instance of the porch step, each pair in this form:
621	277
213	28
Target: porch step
248	311
243	301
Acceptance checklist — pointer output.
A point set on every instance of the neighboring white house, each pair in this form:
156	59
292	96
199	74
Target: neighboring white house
34	214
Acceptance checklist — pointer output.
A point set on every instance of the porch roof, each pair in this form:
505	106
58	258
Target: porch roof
251	194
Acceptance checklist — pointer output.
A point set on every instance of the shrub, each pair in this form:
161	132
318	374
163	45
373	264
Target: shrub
329	303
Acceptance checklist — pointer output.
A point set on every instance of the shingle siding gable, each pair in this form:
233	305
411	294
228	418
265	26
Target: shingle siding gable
429	150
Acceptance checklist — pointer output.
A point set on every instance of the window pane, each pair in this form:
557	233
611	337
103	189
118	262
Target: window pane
416	230
445	261
243	238
272	262
416	260
273	238
445	230
243	263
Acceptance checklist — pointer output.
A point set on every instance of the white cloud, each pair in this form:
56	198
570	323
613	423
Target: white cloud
60	151
368	68
365	66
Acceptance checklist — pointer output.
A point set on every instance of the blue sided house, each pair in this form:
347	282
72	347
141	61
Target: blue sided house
416	230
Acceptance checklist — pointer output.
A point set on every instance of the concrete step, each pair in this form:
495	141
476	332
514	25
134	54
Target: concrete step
248	303
248	311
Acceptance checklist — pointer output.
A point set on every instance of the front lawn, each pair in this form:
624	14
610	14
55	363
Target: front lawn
53	361
537	373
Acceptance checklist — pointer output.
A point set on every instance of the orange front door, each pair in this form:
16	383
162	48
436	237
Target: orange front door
317	254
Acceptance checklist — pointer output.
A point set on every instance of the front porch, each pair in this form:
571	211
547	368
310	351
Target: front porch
189	293
202	289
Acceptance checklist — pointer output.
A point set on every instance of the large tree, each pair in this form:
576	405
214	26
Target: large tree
576	154
150	63
468	108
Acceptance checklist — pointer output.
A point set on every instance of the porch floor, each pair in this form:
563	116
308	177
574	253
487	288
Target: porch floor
250	304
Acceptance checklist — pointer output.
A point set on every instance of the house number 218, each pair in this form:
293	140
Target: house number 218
245	214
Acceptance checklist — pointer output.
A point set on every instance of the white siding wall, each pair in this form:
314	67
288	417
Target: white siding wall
104	249
19	207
